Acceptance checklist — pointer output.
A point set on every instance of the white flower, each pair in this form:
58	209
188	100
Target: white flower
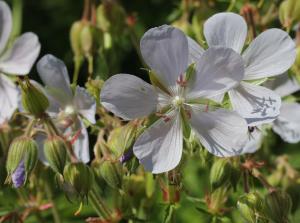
287	125
165	50
14	60
63	103
271	53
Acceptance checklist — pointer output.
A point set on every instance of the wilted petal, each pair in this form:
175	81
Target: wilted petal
195	51
165	50
85	104
256	104
223	133
128	97
271	53
54	75
284	85
226	29
81	144
18	176
20	58
288	123
159	148
8	97
5	24
218	70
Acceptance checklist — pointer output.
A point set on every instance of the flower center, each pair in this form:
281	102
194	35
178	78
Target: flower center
69	110
178	101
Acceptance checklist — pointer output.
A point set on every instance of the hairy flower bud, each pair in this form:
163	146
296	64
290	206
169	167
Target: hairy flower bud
22	150
33	100
80	177
112	173
220	173
277	206
55	150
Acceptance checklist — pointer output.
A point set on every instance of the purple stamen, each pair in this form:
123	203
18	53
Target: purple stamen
18	177
126	156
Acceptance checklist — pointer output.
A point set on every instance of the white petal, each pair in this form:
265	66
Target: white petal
54	74
256	104
85	104
254	142
81	145
8	97
159	148
40	139
165	50
288	123
195	51
284	85
128	97
218	70
226	29
223	133
271	53
5	24
20	58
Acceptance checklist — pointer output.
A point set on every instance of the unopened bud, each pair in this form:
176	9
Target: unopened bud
249	205
90	38
22	150
277	206
220	173
33	100
55	150
289	12
112	173
80	177
75	33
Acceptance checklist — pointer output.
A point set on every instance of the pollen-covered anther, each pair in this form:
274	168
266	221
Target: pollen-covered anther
163	116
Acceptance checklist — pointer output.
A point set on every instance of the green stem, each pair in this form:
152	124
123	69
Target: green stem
90	59
17	14
231	5
77	66
54	209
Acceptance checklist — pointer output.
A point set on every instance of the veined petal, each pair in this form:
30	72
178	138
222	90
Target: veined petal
159	148
81	144
256	104
223	133
128	96
5	24
165	50
9	98
218	70
195	51
288	123
271	53
85	104
284	85
21	57
227	30
54	74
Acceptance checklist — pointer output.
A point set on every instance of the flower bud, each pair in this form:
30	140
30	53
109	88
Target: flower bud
277	206
249	205
111	17
289	12
55	150
33	100
22	150
75	33
90	38
112	173
80	177
220	173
